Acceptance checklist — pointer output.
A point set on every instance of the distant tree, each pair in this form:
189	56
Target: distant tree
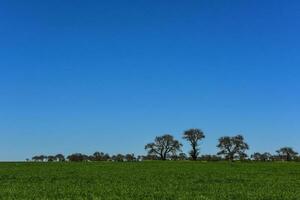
193	136
266	156
51	158
106	157
130	157
182	156
210	158
35	158
287	153
118	158
233	147
100	156
163	146
297	159
276	158
97	156
139	158
256	156
261	156
60	157
43	158
150	157
77	157
39	158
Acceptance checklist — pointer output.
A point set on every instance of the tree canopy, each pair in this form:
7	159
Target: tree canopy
164	146
193	136
233	147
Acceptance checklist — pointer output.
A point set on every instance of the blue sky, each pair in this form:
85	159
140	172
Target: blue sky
85	76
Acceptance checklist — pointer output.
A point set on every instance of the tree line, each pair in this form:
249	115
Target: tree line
166	147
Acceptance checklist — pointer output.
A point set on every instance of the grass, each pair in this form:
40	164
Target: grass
150	180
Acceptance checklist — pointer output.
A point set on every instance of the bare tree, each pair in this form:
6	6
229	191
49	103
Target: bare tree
193	136
233	147
163	146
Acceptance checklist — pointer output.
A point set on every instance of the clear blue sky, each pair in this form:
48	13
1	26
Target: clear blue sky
85	76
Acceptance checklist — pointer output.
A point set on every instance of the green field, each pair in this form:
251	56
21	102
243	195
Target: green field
150	180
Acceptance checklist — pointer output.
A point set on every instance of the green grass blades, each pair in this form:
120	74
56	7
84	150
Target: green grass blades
150	180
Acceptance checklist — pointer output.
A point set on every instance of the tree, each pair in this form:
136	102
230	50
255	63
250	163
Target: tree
35	158
130	157
40	158
51	158
233	147
100	156
77	157
182	156
118	158
261	156
297	159
256	156
163	146
150	157
60	157
210	158
43	157
266	156
287	153
193	136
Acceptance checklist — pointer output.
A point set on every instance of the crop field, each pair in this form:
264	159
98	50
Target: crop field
150	180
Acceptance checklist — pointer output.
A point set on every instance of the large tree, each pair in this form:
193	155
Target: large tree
193	136
233	147
163	146
287	153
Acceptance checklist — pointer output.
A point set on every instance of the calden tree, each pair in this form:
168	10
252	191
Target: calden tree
163	146
233	148
193	136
